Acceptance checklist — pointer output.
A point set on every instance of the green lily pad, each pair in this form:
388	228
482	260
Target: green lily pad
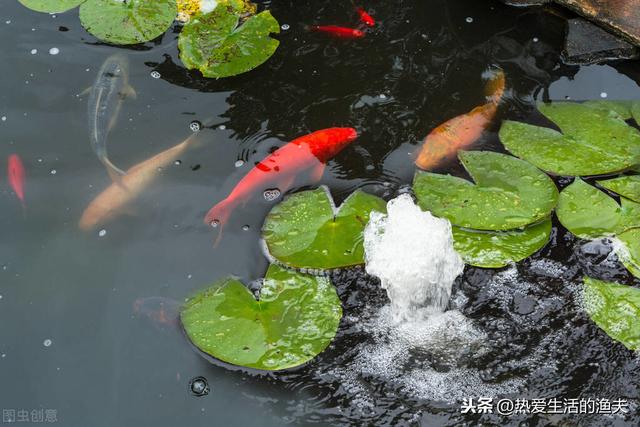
626	186
509	193
216	45
294	320
593	141
304	231
127	22
635	111
590	214
628	250
622	108
496	249
51	6
615	309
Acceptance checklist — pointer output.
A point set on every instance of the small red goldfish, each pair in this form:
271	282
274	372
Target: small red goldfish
365	18
443	142
280	169
16	174
341	32
160	311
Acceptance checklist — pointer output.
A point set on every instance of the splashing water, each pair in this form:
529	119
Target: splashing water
412	254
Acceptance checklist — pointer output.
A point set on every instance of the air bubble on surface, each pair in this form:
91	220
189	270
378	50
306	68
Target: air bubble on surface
47	342
245	228
239	163
54	51
271	194
195	126
34	51
53	171
222	127
102	233
412	254
469	19
155	75
285	27
603	94
177	162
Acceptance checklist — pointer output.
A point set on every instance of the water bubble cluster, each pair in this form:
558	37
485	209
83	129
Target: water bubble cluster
155	75
199	386
271	194
195	126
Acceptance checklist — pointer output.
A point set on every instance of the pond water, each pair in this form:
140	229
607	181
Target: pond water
73	337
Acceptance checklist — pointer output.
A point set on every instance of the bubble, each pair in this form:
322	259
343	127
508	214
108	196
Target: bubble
215	223
34	51
285	27
53	172
469	20
177	162
222	127
195	126
102	233
199	386
155	75
4	118
54	51
271	194
382	96
245	228
47	342
239	163
189	276
535	40
603	94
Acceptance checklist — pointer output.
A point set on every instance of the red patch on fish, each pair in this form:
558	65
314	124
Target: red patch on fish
159	311
337	31
365	18
16	175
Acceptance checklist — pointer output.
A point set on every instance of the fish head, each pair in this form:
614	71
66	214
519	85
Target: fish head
326	143
159	311
116	66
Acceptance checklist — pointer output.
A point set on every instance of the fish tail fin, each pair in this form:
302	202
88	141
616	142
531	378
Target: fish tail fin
496	82
114	172
217	217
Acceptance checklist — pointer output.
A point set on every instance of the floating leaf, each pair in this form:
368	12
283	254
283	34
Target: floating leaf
621	108
294	320
593	141
304	231
509	193
214	43
495	249
615	309
127	22
590	214
627	186
628	250
51	6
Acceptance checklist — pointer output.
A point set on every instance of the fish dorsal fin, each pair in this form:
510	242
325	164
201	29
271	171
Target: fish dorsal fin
494	88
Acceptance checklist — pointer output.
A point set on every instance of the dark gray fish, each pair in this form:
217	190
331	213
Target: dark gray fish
105	99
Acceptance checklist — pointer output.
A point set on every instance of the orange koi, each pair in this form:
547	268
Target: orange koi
365	18
16	174
340	32
443	143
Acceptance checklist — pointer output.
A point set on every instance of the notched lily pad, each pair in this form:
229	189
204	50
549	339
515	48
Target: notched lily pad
51	6
219	46
627	186
496	249
590	214
508	193
305	231
294	320
593	141
127	21
615	309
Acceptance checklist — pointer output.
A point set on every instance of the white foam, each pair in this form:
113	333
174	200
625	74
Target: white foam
207	6
412	254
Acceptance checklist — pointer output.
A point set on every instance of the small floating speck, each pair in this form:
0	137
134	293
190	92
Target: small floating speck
603	94
34	51
4	118
215	223
7	22
245	228
4	355
382	96
195	126
222	127
189	276
239	163
102	233
469	20
285	27
54	51
53	172
177	162
47	342
536	40
156	75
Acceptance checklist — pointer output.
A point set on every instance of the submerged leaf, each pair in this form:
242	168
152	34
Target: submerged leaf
590	214
127	22
304	231
51	6
615	309
496	249
218	46
594	141
509	193
295	319
626	186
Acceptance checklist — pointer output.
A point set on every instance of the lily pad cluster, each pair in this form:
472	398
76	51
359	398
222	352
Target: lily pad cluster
220	39
615	309
503	218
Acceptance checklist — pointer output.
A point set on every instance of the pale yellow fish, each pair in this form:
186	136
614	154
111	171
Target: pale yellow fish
112	201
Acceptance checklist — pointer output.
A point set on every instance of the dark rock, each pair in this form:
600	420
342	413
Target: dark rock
524	3
588	44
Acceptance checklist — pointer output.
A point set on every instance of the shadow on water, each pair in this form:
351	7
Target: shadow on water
419	67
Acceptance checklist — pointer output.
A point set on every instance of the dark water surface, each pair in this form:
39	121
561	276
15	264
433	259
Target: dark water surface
107	366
